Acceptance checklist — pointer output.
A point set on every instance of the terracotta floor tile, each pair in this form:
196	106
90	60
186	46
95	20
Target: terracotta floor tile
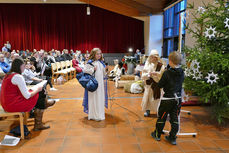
125	131
53	143
34	142
214	134
92	140
91	148
195	152
189	146
166	147
128	139
206	144
29	150
76	125
223	144
123	125
217	151
108	132
76	132
131	148
109	140
150	147
145	139
141	125
57	133
74	149
93	132
60	123
9	151
145	131
50	150
71	141
111	148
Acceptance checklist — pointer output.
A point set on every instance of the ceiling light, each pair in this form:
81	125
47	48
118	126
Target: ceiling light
130	50
88	10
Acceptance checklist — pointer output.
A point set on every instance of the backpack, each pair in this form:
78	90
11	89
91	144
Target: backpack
17	131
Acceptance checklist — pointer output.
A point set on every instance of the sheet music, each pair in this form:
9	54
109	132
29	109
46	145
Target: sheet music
10	141
41	84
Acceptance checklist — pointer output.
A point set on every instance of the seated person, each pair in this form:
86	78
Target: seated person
114	71
3	65
44	68
15	97
75	63
137	71
2	75
66	56
120	71
58	57
29	75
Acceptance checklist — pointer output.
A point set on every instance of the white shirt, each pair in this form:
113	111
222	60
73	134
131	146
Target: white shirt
28	75
19	81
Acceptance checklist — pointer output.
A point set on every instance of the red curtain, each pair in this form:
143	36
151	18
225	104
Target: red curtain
59	26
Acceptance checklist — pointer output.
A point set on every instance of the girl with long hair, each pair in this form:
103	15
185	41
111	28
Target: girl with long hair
94	102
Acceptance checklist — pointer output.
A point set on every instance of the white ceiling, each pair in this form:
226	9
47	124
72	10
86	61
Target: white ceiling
42	1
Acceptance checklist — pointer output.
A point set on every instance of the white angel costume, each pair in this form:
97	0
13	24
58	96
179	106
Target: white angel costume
96	100
148	100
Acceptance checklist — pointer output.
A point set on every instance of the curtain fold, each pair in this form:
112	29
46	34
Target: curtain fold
59	26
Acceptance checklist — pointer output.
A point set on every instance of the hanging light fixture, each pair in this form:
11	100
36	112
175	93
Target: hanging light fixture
88	9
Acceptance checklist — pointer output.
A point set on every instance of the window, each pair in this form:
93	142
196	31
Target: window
172	18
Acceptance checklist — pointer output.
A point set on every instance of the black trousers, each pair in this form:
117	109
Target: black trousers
171	108
48	78
41	100
49	81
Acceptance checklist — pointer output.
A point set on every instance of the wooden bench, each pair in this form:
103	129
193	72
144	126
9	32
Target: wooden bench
22	118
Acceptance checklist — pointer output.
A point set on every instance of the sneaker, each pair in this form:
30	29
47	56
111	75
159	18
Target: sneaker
53	89
170	140
154	136
49	103
147	113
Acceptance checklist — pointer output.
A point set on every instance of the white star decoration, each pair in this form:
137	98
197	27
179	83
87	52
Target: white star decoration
212	75
187	72
201	9
197	75
207	33
195	66
226	23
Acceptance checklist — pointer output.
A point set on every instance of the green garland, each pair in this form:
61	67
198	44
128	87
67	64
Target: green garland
210	55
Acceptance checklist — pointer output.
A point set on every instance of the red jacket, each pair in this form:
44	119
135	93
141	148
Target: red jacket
75	64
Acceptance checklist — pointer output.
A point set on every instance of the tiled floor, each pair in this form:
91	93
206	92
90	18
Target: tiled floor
125	130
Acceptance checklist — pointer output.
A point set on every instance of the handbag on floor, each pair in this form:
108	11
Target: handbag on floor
17	131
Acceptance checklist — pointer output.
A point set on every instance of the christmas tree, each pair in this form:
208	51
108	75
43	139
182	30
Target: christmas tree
207	68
